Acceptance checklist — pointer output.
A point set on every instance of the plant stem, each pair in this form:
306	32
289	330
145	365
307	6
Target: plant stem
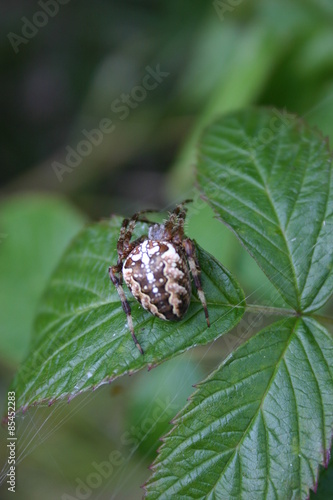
281	311
324	319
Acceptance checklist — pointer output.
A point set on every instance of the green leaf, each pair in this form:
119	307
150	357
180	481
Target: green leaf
258	426
34	232
81	336
269	177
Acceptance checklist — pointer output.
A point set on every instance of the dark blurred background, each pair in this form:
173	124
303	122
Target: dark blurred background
65	68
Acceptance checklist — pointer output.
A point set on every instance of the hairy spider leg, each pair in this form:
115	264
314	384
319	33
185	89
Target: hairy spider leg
126	232
125	236
189	247
117	281
175	224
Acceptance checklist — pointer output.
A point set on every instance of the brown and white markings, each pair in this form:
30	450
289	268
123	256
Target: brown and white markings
156	268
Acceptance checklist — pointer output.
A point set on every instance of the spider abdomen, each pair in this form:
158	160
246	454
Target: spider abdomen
157	275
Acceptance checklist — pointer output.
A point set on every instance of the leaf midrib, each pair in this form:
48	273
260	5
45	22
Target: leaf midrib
281	358
288	253
256	413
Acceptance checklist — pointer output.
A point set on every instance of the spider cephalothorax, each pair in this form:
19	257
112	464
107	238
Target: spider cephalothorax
155	268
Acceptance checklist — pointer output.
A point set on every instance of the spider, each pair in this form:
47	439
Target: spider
156	268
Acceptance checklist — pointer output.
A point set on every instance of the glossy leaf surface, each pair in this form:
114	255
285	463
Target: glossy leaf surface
269	177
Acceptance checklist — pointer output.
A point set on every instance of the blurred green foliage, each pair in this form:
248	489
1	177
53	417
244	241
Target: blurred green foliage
153	404
36	230
64	80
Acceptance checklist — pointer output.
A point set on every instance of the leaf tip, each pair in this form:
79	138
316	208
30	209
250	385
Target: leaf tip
70	397
144	487
151	467
158	451
327	457
314	487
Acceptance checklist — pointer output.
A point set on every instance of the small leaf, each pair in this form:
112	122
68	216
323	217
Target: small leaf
81	336
259	426
269	177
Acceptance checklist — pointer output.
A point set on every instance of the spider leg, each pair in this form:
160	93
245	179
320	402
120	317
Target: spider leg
126	232
195	271
175	224
124	245
180	211
144	219
117	281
